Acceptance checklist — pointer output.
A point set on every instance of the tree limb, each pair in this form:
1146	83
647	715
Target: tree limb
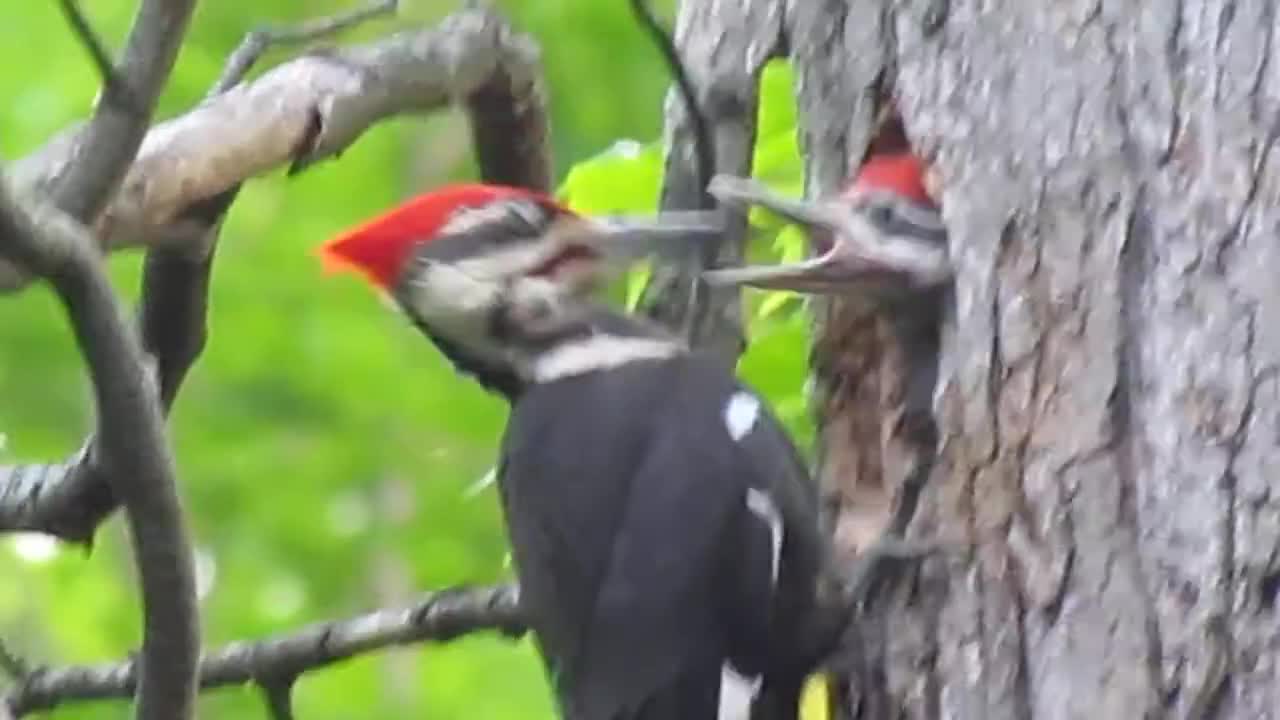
298	114
188	166
133	440
105	147
279	697
259	41
724	51
132	443
438	617
172	310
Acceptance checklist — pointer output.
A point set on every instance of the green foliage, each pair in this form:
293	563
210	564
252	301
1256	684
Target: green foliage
324	449
627	178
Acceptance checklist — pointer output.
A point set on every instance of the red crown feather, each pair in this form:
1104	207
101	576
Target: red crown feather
902	173
379	248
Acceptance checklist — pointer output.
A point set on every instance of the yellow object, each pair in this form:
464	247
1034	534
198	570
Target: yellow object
814	699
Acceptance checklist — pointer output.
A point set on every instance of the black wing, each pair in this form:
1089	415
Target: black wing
639	555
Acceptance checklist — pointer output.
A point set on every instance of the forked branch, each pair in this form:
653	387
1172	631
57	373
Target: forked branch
132	443
300	112
104	148
437	617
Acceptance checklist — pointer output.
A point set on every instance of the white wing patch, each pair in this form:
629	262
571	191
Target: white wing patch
761	505
740	414
736	694
482	484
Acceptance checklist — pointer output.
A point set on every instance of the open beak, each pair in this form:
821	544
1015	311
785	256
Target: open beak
858	246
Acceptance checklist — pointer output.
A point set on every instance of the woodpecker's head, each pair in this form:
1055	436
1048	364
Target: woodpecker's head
883	233
494	275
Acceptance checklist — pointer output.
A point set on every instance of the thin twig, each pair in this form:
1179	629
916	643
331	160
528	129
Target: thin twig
437	617
107	144
92	44
259	41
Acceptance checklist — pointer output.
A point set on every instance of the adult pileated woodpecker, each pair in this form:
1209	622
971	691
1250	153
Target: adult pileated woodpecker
664	530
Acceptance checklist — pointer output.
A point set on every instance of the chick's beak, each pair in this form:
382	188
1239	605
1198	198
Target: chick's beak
862	241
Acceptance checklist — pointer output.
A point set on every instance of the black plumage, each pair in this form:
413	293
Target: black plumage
660	533
642	566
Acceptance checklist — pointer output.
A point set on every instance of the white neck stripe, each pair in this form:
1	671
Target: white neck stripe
599	352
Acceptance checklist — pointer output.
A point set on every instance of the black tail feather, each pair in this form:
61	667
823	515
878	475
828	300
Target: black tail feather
690	695
778	699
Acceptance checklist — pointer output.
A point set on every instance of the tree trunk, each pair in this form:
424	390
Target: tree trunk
1107	393
1108	440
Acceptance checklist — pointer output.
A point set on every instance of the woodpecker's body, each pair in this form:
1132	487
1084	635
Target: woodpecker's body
665	532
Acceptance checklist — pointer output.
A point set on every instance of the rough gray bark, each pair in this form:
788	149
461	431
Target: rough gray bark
1108	366
724	48
1108	184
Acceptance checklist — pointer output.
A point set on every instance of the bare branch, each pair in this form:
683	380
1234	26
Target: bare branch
509	121
723	54
297	114
259	41
279	696
104	148
132	443
437	617
188	168
173	306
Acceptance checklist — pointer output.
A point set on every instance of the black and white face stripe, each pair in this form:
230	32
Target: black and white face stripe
497	240
533	329
894	215
872	241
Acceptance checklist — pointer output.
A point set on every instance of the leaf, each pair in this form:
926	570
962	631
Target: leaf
626	178
777	99
637	280
791	244
773	301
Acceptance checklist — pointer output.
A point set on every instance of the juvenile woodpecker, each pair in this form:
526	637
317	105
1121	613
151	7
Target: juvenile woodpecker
664	530
882	236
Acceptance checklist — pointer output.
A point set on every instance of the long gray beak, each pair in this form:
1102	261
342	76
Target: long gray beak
880	245
670	236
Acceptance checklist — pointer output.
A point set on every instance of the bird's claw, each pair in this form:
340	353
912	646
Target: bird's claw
881	562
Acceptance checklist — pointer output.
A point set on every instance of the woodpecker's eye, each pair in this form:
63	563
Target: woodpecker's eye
879	214
569	254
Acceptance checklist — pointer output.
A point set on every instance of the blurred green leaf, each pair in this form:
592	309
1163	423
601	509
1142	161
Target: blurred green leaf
626	178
